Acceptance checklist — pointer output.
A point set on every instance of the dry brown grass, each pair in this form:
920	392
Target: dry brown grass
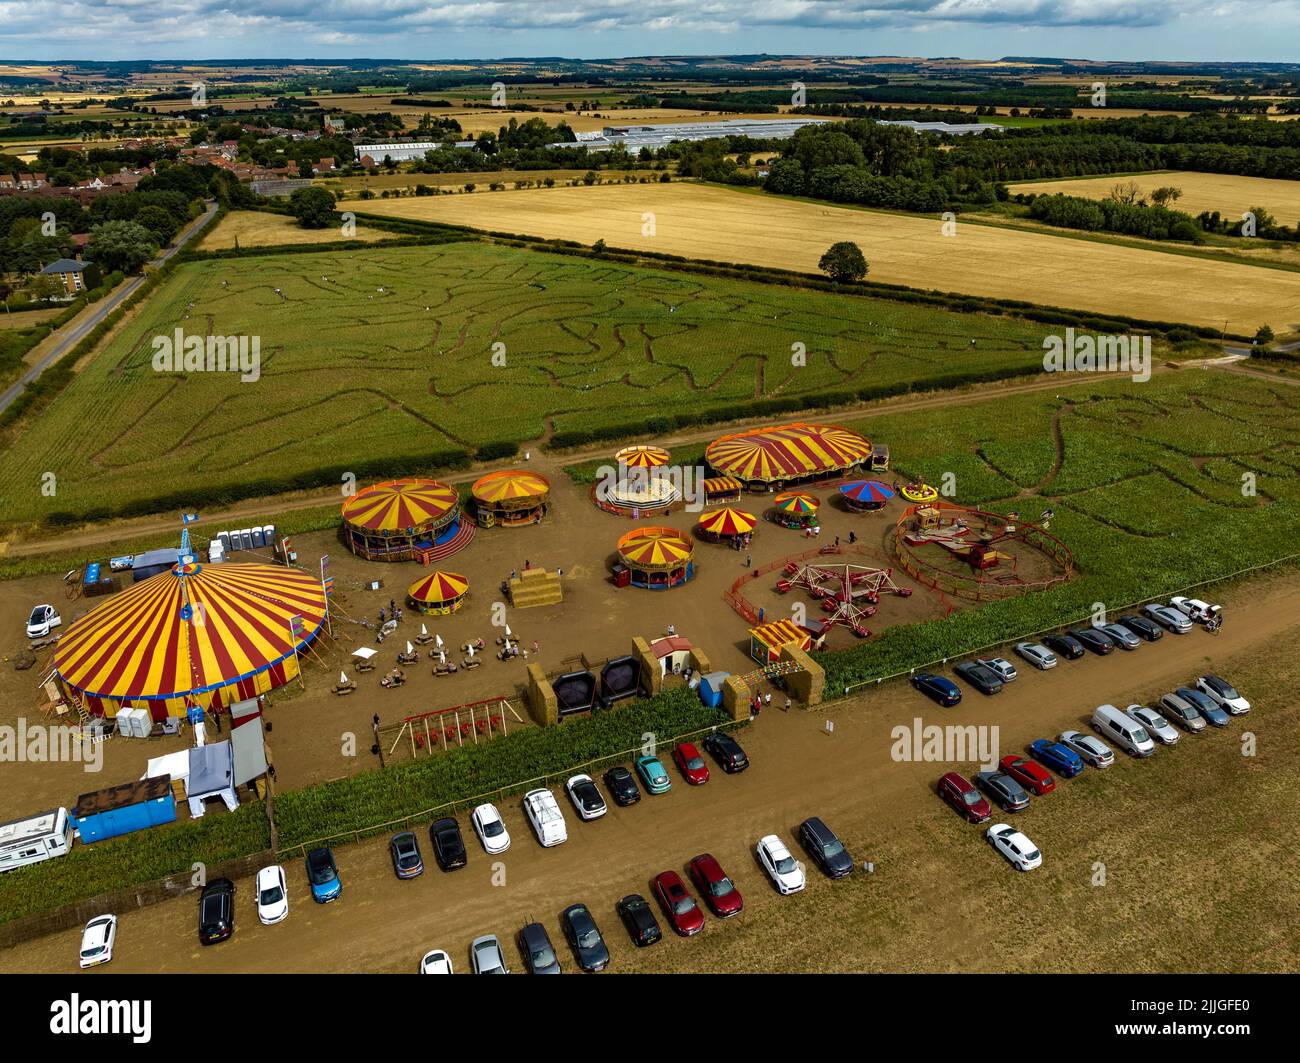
1227	193
253	228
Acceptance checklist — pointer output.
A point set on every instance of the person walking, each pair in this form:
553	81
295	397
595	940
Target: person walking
853	538
749	560
787	704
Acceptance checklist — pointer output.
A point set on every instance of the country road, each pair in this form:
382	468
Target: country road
76	331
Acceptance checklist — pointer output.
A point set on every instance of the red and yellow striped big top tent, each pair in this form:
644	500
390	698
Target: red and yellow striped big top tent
206	635
792	453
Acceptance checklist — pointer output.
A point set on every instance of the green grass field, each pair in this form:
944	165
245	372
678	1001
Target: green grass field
393	356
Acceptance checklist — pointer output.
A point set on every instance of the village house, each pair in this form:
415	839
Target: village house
76	277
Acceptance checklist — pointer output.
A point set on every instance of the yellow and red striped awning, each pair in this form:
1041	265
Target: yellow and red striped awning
390	508
510	485
438	587
796	502
787	452
781	633
189	632
728	521
721	485
655	547
642	457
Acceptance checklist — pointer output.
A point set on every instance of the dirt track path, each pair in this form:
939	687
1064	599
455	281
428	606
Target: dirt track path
848	778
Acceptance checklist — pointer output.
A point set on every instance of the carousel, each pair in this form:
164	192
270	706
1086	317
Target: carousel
402	520
642	457
438	593
919	492
794	509
511	497
866	496
654	558
726	525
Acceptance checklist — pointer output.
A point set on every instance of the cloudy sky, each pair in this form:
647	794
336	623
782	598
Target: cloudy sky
477	29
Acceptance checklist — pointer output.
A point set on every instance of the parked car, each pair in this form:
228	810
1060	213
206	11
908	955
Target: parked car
1066	645
586	797
1033	777
964	798
1093	639
639	919
1059	758
1155	725
1169	618
1198	611
782	868
272	896
405	852
44	619
1142	627
690	763
827	851
937	688
727	752
1214	713
678	905
216	911
1036	654
1121	636
435	961
1184	713
1019	850
486	955
653	776
448	846
1123	730
539	954
546	818
622	786
1223	693
490	828
585	938
718	891
983	679
323	875
1004	669
1093	751
1003	790
97	941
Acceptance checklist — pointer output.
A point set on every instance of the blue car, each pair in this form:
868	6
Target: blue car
937	688
653	775
323	874
1061	759
1205	705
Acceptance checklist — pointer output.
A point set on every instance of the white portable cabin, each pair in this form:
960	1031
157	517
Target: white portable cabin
37	838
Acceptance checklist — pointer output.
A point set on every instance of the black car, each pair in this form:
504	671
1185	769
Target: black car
1142	627
827	851
1097	641
937	688
405	851
1003	789
584	938
639	918
539	956
1066	646
216	911
727	752
981	677
621	785
448	848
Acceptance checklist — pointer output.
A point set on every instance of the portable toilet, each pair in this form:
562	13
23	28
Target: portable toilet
122	809
711	688
216	552
123	722
224	538
245	539
268	534
258	541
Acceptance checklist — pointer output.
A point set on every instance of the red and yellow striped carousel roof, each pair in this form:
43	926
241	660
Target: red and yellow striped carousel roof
728	521
510	485
395	505
642	456
787	452
655	546
186	632
796	502
438	587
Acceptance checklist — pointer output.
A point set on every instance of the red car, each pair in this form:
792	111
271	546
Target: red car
678	905
1033	777
691	764
718	891
964	798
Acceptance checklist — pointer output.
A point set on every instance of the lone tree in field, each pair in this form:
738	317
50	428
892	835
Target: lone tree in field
313	207
844	262
1263	336
1166	195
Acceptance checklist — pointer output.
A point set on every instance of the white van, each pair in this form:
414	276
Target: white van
28	841
1123	730
545	817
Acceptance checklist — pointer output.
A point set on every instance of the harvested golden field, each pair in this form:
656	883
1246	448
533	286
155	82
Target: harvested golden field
253	228
703	221
1227	193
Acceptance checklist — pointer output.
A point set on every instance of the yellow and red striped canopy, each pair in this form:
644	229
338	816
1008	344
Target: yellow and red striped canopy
780	633
184	633
510	485
728	521
395	505
438	587
787	452
655	547
796	502
642	457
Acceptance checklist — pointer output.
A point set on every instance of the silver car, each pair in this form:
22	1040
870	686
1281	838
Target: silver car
1093	750
1121	636
1156	725
487	955
1183	712
1000	666
1037	654
1168	618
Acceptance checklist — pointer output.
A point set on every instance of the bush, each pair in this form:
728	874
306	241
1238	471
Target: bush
502	448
